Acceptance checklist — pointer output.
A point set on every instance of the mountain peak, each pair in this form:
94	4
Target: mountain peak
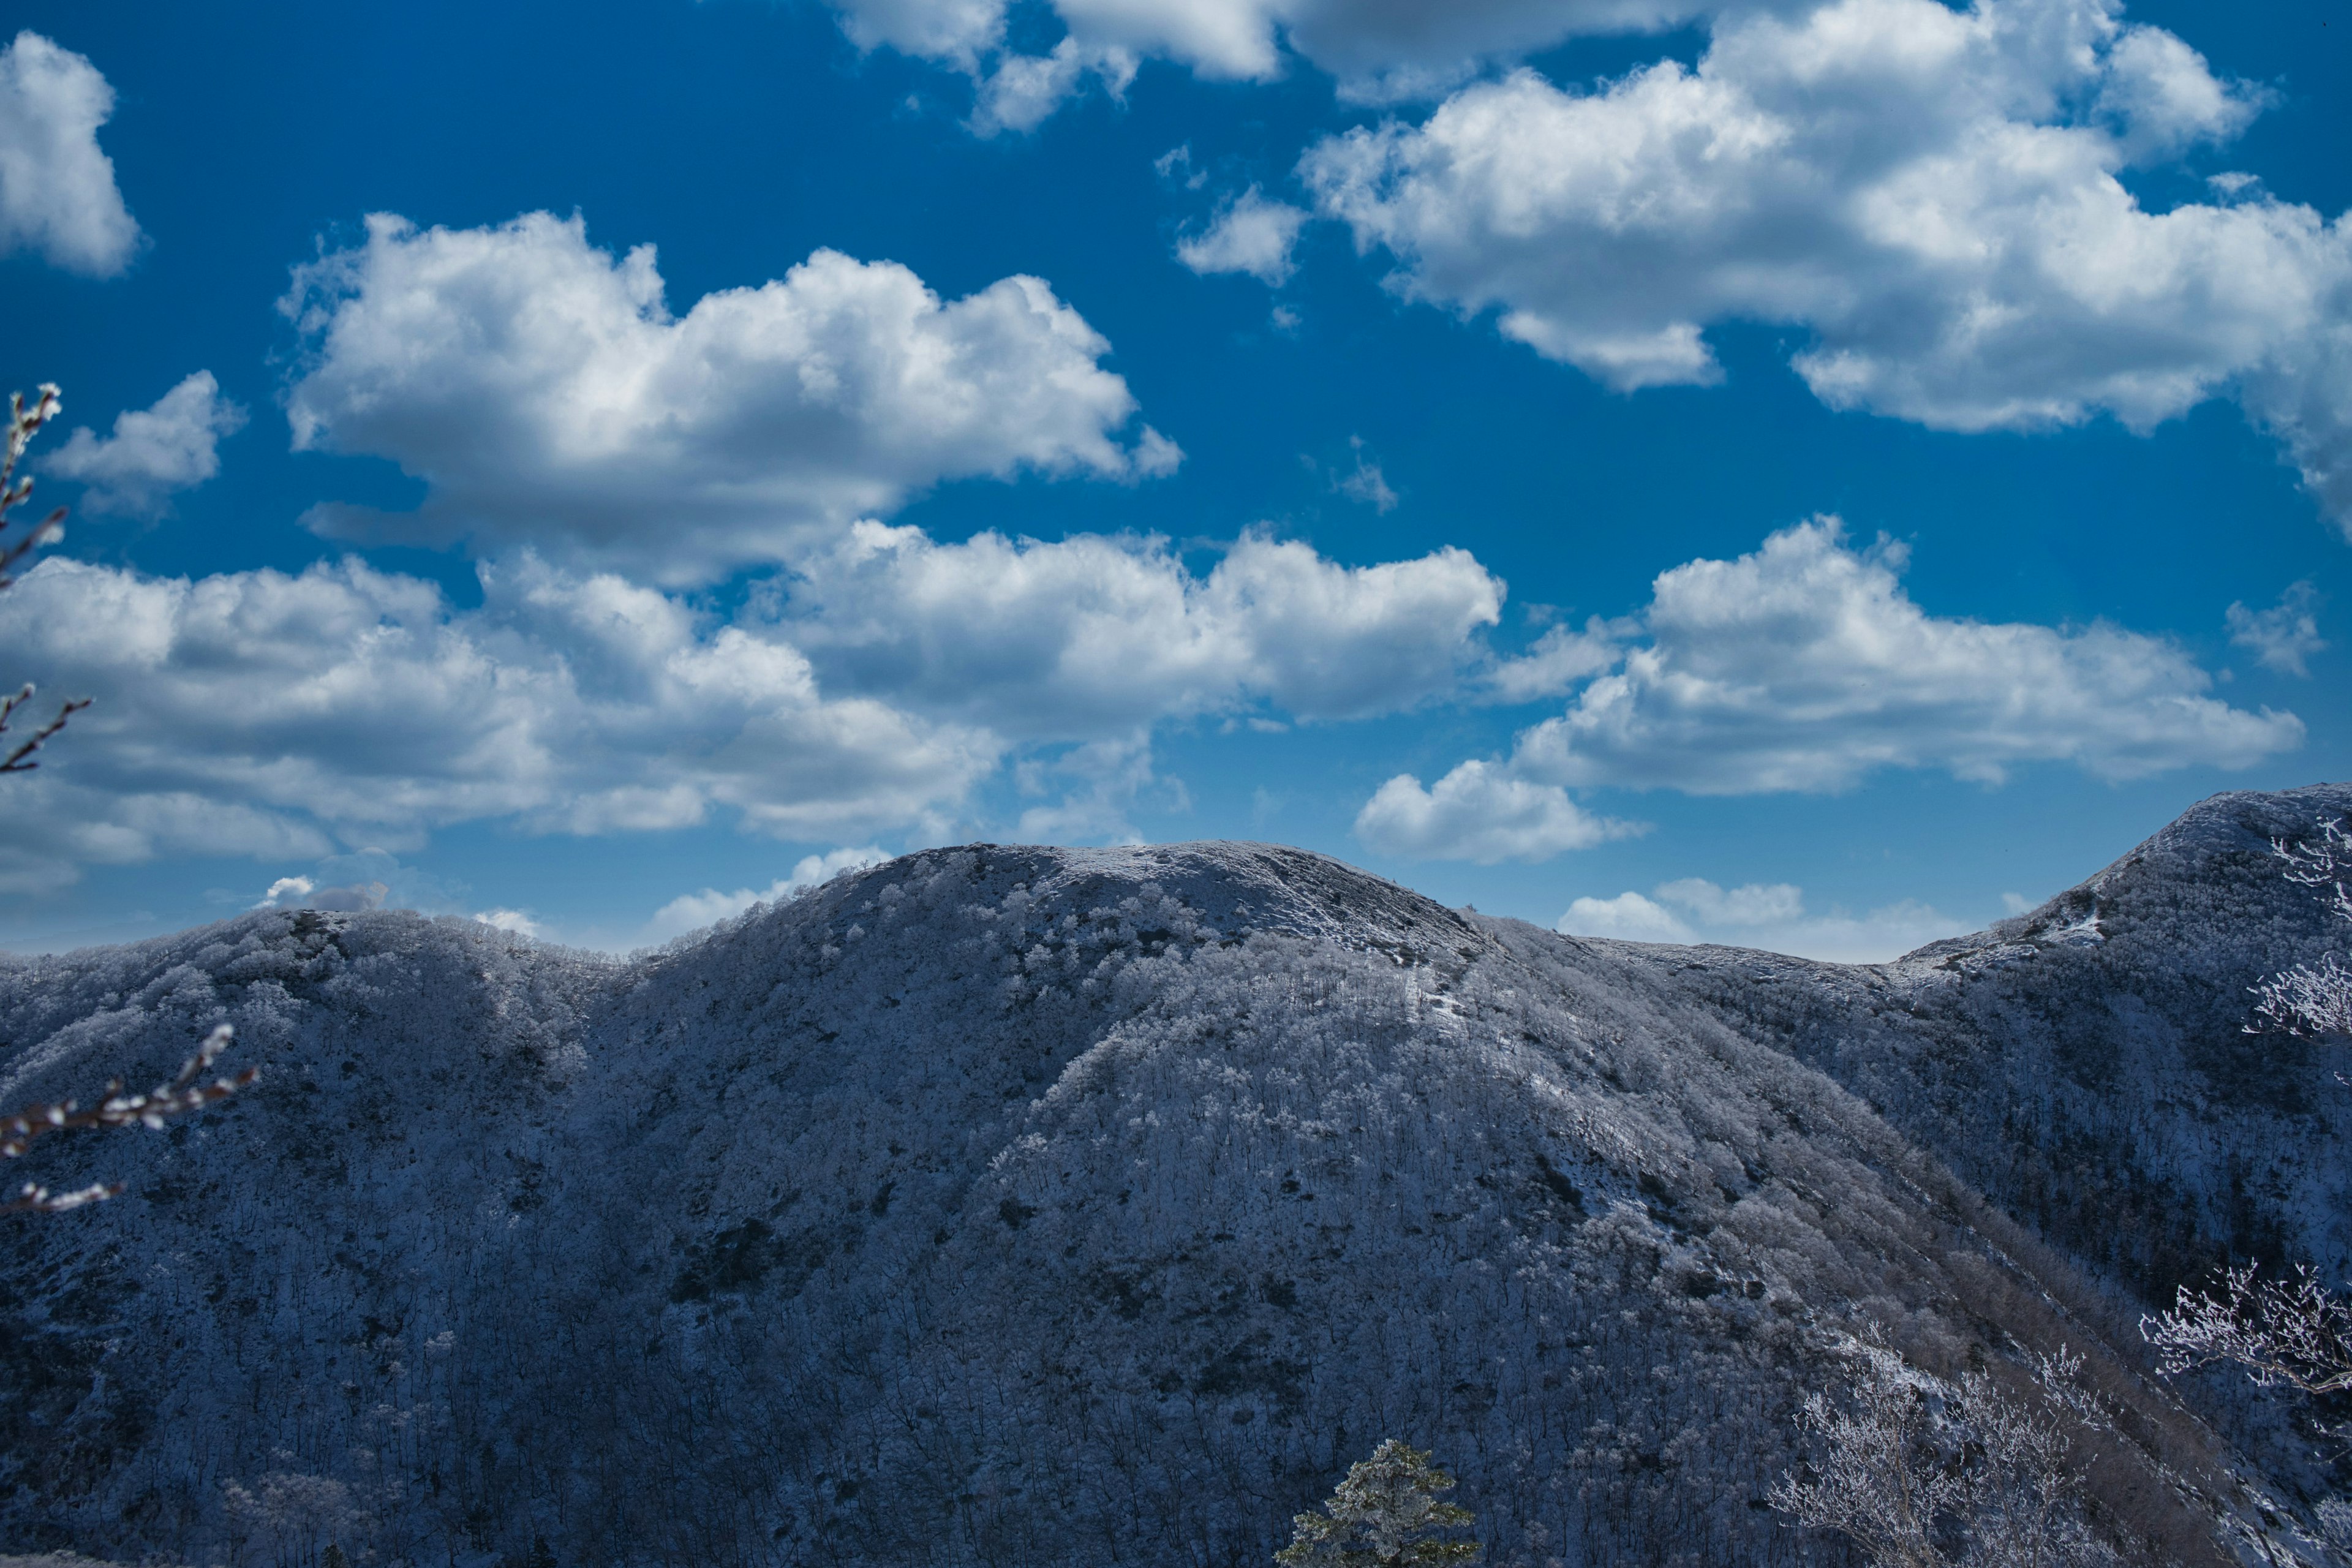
1018	1203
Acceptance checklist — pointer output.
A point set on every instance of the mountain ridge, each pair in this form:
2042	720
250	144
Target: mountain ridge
1013	1205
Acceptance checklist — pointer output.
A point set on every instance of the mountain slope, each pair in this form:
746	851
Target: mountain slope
2088	1065
1000	1205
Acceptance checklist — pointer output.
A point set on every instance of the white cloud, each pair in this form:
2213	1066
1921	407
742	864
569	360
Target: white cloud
57	195
1248	234
1756	904
2160	98
367	878
1933	194
692	911
1560	660
286	892
1091	637
955	32
1805	666
1628	917
1479	811
1379	50
153	453
550	398
514	920
352	896
305	893
273	715
1767	916
2283	636
1020	91
1365	482
1175	166
270	715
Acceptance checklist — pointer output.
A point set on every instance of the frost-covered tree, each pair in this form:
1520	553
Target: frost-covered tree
21	1128
2290	1332
1388	1513
2293	1332
2313	1000
1919	1472
288	1514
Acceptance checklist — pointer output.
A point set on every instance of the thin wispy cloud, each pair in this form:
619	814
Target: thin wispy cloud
2284	636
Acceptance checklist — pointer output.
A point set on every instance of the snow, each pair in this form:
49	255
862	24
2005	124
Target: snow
1044	1206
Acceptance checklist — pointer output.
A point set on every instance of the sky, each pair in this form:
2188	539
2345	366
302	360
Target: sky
1813	476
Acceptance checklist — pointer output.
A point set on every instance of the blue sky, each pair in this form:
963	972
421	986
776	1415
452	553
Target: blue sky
1810	476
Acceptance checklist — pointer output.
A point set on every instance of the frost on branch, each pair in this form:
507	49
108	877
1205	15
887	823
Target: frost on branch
1388	1513
19	1130
1919	1472
23	424
182	1094
2313	1000
2290	1332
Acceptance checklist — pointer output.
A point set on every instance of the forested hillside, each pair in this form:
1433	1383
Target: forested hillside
1039	1206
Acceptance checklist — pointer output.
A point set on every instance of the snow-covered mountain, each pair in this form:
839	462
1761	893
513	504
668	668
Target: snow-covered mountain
1042	1206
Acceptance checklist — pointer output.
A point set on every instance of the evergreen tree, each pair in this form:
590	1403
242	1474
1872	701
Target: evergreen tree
1386	1514
333	1557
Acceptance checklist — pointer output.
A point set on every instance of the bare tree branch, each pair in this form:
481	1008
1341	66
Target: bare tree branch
2313	1000
16	759
23	424
20	1130
2293	1332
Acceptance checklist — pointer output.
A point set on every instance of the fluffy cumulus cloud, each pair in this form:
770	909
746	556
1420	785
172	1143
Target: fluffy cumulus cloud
1805	666
692	911
1934	194
271	715
1379	49
154	453
1771	916
1628	917
1481	812
57	195
305	893
1089	637
274	715
1248	235
548	397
